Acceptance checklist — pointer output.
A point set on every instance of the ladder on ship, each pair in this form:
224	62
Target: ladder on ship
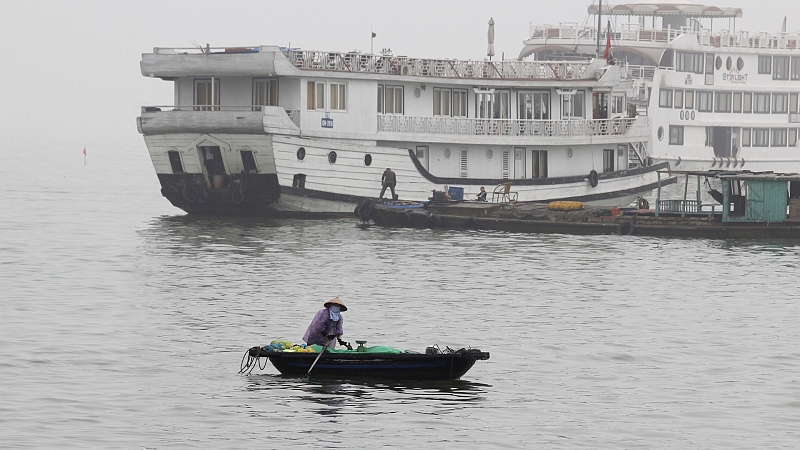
637	155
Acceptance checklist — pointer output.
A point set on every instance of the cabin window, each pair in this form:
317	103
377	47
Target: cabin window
390	99
332	157
793	103
688	99
442	101
572	105
710	63
689	62
760	137
675	135
459	102
747	102
618	104
794	68
780	68
792	137
206	94
779	137
175	161
265	93
709	137
316	96
665	98
496	105
678	102
737	102
299	181
705	101
764	64
248	161
722	102
745	137
780	103
539	164
761	103
608	160
338	96
367	159
534	105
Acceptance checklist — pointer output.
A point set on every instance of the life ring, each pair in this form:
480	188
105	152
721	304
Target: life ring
434	221
403	219
625	228
190	195
237	196
594	178
202	195
471	223
365	212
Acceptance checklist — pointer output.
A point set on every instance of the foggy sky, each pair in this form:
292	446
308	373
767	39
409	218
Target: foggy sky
69	71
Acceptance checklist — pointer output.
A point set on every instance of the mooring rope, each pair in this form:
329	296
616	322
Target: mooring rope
249	362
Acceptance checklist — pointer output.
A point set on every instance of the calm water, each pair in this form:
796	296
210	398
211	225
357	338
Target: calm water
123	323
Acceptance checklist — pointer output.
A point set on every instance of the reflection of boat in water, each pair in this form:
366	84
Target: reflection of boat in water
752	205
393	366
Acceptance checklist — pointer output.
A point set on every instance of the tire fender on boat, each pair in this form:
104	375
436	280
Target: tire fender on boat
434	221
365	211
237	196
625	228
594	178
190	195
202	195
471	223
403	219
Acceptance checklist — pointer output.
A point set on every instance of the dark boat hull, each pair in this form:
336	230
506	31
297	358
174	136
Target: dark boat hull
405	366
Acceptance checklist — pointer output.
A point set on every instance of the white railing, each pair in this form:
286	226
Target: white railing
204	50
640	72
633	33
401	65
503	127
294	115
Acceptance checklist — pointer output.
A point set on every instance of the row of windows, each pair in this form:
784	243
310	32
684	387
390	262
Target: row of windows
207	94
781	67
722	101
751	137
316	96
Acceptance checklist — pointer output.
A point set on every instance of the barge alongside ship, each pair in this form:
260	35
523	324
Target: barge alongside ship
753	205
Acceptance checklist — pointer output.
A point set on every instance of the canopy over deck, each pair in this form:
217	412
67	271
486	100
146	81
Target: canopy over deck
667	10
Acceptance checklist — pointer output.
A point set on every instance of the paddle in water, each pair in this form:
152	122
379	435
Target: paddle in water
320	355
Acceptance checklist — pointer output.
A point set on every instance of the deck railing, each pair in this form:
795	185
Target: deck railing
445	68
503	127
633	33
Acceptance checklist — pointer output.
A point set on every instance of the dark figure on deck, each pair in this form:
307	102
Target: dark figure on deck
389	179
327	324
481	197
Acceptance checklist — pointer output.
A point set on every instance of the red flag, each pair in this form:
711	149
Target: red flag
608	44
84	150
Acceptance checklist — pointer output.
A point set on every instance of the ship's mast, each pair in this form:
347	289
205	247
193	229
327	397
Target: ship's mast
599	24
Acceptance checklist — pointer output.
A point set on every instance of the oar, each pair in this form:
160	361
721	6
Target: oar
319	356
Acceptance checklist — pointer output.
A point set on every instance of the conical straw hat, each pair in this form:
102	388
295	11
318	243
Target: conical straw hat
336	301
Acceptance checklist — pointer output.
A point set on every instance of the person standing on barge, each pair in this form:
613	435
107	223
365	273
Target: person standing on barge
327	324
389	179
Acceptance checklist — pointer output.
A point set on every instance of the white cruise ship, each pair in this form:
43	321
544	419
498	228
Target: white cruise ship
717	98
270	130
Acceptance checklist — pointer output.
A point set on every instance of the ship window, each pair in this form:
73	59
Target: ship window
793	103
572	105
539	164
660	133
728	63
338	96
665	98
705	101
442	101
175	161
761	103
204	92
332	157
489	153
792	137
688	99
248	161
459	103
745	137
764	64
780	103
534	105
301	153
779	137
447	153
780	66
464	161
747	105
316	96
710	63
608	160
675	135
390	99
739	63
718	63
678	103
722	102
760	137
367	159
265	93
299	181
737	102
794	69
709	137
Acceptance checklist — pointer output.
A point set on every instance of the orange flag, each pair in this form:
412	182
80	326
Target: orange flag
84	151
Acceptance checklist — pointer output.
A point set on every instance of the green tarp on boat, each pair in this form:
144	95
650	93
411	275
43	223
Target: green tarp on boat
375	349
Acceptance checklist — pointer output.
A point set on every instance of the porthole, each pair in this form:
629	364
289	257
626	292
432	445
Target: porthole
447	153
718	63
728	63
739	63
332	157
367	159
301	153
417	93
489	153
660	133
569	153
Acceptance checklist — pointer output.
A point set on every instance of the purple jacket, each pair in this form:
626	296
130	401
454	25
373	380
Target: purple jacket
321	327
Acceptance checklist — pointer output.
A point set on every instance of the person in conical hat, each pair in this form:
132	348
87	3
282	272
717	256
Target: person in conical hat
327	325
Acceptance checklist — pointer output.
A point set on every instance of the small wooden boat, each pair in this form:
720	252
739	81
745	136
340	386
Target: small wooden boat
395	366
